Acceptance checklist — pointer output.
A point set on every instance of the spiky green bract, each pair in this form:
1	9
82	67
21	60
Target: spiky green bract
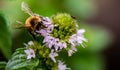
65	26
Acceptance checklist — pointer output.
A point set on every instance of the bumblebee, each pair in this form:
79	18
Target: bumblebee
34	22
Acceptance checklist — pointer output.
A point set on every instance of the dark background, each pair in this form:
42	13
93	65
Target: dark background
109	16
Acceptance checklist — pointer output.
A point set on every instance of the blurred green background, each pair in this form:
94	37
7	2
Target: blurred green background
89	58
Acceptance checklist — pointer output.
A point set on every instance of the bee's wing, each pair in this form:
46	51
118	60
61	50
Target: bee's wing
26	9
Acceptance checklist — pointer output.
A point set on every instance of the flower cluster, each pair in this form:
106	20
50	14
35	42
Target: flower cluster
51	36
54	43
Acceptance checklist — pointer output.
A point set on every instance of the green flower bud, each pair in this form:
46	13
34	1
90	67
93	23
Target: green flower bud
65	26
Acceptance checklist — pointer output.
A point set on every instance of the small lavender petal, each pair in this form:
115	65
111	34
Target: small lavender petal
81	31
50	28
47	22
46	39
30	53
50	44
62	66
65	45
70	52
49	41
30	43
52	55
58	45
77	39
43	32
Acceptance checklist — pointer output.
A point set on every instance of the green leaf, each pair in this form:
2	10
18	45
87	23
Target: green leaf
2	64
20	62
5	36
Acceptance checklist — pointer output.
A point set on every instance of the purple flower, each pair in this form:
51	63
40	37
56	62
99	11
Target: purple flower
30	53
80	32
57	43
47	21
76	40
80	36
72	50
72	40
50	28
43	32
62	66
54	42
63	45
52	55
49	41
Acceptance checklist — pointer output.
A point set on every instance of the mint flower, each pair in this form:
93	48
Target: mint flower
63	45
49	41
62	66
80	36
52	55
47	21
76	40
72	50
50	28
43	32
30	53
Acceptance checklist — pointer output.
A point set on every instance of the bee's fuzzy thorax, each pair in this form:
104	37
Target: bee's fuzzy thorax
31	19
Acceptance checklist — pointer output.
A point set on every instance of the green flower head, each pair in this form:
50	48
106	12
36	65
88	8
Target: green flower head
65	26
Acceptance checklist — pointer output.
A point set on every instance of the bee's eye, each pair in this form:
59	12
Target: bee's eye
38	26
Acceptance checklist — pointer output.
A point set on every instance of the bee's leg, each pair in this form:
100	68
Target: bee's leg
32	34
34	37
